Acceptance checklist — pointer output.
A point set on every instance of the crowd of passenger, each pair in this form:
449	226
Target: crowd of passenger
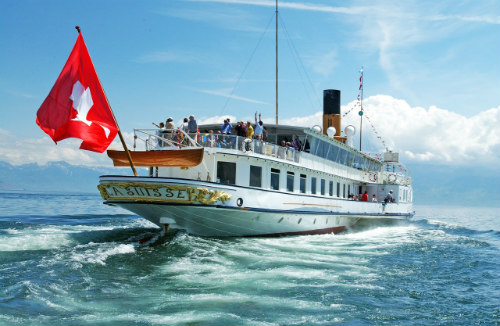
389	198
247	132
362	197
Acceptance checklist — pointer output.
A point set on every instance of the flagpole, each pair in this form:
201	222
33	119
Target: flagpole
116	122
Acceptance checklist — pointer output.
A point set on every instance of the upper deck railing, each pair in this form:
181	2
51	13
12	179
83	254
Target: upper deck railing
155	139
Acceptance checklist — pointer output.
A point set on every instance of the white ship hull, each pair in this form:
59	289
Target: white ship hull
212	209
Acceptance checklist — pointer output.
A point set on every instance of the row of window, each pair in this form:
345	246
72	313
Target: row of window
342	156
226	173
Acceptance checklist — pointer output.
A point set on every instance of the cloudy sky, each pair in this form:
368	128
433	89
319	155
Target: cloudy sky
431	69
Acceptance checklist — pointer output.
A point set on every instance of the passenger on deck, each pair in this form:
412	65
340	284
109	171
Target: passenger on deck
226	127
161	125
159	133
219	139
170	124
210	139
389	198
364	197
264	134
249	133
192	125
241	129
297	144
184	125
374	198
258	127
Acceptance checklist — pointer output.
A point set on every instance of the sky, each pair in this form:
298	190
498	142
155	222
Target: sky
431	69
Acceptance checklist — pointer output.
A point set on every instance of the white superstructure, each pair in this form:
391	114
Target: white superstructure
256	188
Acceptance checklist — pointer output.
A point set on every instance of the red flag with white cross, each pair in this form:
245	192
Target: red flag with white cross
76	106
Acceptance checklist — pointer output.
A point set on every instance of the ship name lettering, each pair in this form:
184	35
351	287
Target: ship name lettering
179	194
129	192
169	193
117	191
156	192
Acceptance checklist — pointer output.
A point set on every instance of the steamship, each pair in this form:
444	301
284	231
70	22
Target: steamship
229	186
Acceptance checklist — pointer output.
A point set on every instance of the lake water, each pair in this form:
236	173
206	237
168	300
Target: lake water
70	260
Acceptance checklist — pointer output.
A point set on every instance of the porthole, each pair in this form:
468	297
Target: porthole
239	202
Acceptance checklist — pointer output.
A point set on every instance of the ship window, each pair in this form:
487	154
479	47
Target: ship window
349	190
314	146
313	185
226	172
323	187
338	189
344	189
332	153
322	149
342	156
289	181
329	153
255	176
275	179
350	159
303	183
330	188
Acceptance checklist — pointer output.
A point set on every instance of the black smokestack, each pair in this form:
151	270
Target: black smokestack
331	101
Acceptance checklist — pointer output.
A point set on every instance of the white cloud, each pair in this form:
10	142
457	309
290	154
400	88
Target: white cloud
216	119
17	151
360	10
430	135
226	93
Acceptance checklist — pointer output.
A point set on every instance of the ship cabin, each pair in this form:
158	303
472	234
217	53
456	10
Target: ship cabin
326	165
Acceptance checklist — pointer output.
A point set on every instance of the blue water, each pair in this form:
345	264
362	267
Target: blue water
69	260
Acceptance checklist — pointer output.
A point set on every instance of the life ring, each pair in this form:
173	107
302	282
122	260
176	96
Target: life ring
179	138
373	177
392	178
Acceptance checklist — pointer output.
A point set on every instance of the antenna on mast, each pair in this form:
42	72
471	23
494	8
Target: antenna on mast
276	63
361	107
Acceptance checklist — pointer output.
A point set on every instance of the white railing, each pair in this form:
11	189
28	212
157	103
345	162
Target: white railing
247	145
164	139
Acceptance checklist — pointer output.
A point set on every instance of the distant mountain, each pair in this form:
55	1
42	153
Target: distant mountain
433	184
456	185
53	177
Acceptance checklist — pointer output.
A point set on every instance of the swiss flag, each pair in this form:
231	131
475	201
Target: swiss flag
76	106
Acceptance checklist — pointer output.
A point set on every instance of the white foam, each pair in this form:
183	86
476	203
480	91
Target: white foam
34	239
99	253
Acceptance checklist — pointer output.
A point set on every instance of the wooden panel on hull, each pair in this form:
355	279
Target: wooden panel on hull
179	157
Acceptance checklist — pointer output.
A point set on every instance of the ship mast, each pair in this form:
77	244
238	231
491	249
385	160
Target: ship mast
361	108
276	63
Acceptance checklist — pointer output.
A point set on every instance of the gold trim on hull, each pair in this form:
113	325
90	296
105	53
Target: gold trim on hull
137	191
